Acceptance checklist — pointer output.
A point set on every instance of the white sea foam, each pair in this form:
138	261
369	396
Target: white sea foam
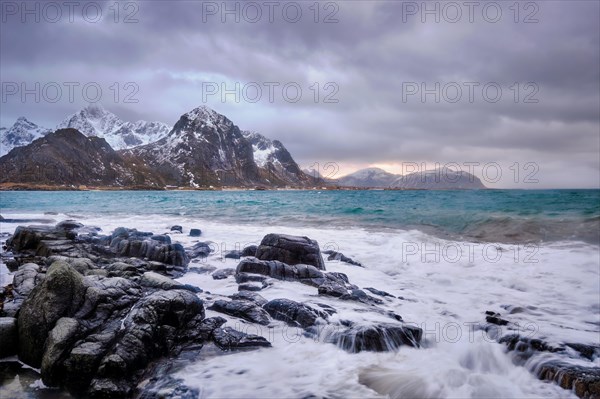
551	293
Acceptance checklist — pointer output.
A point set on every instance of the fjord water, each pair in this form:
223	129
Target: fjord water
513	216
532	256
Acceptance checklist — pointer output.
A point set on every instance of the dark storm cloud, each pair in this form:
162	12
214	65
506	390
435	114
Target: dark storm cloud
371	54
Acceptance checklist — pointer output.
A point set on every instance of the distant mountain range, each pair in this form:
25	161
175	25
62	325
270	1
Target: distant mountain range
435	179
94	147
367	178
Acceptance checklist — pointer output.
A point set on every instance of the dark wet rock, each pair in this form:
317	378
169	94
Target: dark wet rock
338	256
249	296
93	322
291	250
222	274
588	351
583	381
376	338
199	250
69	225
29	239
494	318
515	342
252	287
8	336
255	266
234	254
44	241
172	254
158	281
206	269
82	265
341	278
124	270
26	278
10	301
294	313
163	238
249	277
59	295
157	326
379	292
523	348
243	309
250	250
208	325
230	339
305	274
333	289
177	228
195	232
60	340
360	296
12	265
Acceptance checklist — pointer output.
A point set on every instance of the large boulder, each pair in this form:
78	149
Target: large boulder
250	250
38	239
294	313
156	327
59	295
8	336
291	250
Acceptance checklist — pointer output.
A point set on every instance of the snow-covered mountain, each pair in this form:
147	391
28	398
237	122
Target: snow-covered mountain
206	148
94	120
20	134
313	173
438	179
435	179
369	177
274	161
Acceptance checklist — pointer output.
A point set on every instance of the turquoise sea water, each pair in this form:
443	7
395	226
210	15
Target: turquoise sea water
486	215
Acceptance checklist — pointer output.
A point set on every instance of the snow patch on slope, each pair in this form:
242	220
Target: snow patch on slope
263	148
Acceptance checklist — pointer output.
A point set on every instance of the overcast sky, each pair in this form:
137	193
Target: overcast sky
370	61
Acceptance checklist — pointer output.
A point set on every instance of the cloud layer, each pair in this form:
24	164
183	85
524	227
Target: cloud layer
380	81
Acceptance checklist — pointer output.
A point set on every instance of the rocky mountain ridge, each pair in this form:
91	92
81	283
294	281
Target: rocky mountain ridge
203	149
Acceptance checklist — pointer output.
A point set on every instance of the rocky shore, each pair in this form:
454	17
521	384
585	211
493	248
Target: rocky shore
102	316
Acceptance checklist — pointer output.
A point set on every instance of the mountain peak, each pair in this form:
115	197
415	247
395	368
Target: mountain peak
204	113
21	133
95	120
